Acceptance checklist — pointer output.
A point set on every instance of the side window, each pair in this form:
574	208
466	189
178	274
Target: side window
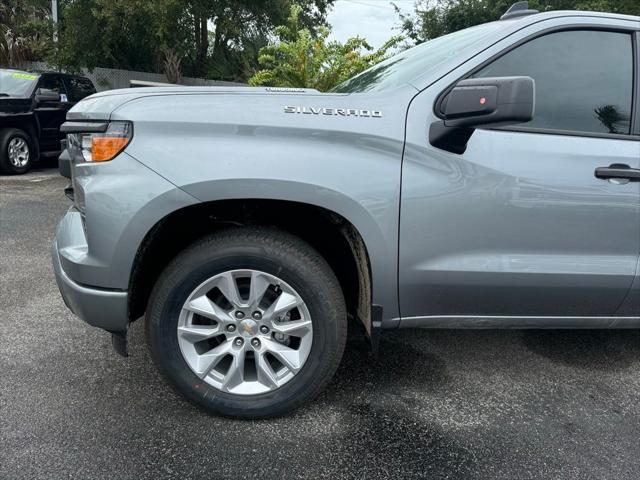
583	78
79	88
54	83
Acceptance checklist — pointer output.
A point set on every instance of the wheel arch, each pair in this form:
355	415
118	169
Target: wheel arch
27	123
337	238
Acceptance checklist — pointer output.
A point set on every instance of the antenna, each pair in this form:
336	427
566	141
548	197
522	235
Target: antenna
518	9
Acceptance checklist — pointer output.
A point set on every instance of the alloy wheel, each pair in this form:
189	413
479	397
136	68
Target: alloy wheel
245	332
18	152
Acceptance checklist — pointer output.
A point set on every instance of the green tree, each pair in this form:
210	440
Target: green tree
219	38
301	59
25	31
433	18
127	34
237	29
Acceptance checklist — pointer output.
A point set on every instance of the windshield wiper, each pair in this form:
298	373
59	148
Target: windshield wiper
2	94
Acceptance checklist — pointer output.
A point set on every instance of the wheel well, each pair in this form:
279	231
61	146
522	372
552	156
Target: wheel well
24	123
335	238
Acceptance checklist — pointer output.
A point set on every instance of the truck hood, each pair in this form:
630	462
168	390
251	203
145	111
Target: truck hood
101	106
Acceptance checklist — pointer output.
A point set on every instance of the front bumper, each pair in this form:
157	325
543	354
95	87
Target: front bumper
103	308
94	253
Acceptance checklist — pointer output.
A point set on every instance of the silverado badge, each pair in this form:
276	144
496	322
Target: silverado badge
343	112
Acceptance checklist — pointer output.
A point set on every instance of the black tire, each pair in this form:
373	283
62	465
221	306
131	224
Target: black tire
271	251
6	136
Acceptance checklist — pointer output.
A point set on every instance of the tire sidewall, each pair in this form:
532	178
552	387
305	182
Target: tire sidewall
196	266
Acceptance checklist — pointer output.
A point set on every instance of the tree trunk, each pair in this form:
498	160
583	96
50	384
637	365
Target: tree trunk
202	45
196	33
216	39
220	51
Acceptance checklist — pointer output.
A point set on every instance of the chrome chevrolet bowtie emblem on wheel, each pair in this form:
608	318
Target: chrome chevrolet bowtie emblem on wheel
249	327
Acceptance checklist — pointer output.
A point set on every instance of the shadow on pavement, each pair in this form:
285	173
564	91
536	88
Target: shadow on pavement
383	436
588	349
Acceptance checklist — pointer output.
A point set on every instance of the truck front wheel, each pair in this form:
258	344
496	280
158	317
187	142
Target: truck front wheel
248	322
17	151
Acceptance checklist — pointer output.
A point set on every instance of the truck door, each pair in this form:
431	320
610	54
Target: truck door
520	224
51	115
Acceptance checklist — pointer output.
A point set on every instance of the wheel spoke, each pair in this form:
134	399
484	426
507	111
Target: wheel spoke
235	374
282	304
229	288
289	357
266	375
259	285
208	361
296	328
197	333
205	307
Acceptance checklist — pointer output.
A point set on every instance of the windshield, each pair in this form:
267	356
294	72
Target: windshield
410	64
14	83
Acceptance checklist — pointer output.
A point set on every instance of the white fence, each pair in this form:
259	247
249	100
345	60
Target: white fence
110	78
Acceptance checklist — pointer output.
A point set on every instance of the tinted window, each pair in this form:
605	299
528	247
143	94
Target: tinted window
583	79
79	88
54	83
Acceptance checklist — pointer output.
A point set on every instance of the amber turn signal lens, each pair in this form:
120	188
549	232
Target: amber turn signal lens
105	148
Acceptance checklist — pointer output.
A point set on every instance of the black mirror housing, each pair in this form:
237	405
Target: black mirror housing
44	95
490	101
477	102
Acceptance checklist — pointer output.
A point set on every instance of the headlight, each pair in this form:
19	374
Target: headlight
99	146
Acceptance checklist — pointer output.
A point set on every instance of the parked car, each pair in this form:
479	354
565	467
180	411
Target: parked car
484	179
32	107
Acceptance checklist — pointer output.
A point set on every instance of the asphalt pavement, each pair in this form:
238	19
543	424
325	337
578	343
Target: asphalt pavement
434	404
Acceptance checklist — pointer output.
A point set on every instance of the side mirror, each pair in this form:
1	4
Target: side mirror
478	102
44	95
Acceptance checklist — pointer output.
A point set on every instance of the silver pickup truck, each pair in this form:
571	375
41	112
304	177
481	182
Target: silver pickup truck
484	179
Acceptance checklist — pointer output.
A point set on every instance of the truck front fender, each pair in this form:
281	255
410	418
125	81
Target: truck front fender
379	245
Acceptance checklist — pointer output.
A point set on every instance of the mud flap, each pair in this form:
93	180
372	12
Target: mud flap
375	329
120	344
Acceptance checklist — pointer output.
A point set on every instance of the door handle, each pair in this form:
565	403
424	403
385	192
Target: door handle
618	170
